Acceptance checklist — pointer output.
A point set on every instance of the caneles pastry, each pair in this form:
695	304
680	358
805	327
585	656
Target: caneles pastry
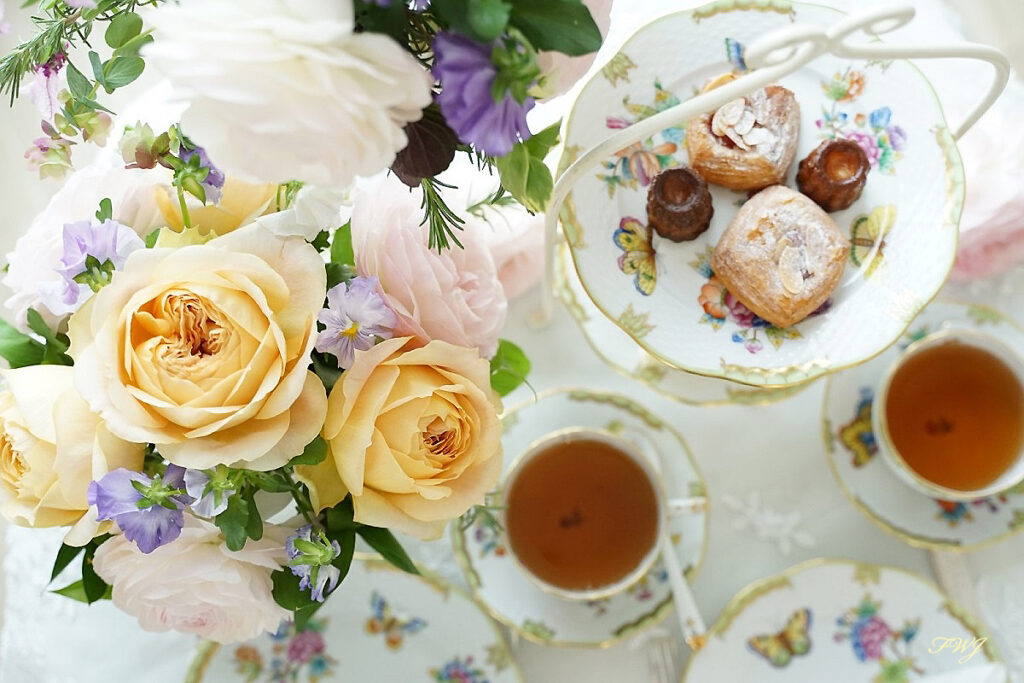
748	143
679	204
833	175
781	256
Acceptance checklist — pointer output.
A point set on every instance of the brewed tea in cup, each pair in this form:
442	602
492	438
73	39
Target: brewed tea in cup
949	415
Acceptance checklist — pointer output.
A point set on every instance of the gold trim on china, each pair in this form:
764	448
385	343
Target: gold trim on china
652	370
912	539
794	374
710	10
373	561
660	611
752	592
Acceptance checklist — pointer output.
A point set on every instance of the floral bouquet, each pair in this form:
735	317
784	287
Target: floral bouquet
235	347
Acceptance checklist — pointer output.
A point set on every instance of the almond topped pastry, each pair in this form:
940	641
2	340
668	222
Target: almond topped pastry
781	256
747	143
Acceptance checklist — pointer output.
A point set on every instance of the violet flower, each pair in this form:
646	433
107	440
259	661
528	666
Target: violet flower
51	157
214	180
210	494
148	510
309	557
356	315
467	73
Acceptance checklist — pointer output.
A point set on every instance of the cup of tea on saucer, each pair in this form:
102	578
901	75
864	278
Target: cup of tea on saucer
584	512
949	415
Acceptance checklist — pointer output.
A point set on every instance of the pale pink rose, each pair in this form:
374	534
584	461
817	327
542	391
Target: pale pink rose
196	585
454	295
562	70
992	225
516	242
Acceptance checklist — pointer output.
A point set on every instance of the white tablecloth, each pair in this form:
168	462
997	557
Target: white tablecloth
774	451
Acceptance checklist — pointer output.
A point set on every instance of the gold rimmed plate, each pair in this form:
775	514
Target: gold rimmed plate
516	601
664	295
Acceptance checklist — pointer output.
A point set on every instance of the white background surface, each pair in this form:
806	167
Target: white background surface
774	450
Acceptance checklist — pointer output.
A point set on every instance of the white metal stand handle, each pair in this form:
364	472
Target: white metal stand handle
776	55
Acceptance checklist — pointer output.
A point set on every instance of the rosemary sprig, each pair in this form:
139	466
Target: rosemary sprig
443	222
54	34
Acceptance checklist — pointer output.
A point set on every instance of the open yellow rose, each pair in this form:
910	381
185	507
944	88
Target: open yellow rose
413	435
51	447
240	204
204	350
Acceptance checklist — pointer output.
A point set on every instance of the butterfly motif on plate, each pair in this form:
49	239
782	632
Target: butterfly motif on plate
792	641
858	436
634	239
394	628
734	52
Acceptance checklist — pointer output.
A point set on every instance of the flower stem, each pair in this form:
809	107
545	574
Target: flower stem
185	218
301	500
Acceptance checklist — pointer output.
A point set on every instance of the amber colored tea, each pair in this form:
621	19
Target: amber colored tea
581	515
955	414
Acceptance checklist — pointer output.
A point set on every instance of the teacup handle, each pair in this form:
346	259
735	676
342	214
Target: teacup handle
771	57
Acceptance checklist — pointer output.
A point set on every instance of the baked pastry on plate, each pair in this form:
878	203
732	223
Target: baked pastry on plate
781	256
833	175
679	204
748	143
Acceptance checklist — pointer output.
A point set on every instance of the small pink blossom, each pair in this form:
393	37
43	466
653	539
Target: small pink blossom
50	157
305	645
868	144
47	85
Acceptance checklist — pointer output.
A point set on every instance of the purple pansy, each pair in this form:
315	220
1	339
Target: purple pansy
214	180
310	554
149	510
467	74
355	316
92	252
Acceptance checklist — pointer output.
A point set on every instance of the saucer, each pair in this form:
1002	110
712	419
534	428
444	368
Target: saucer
838	621
516	601
903	228
615	347
382	624
873	487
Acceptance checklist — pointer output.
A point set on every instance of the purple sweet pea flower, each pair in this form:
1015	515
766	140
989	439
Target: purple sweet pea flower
309	557
150	517
92	252
355	316
215	178
51	157
208	500
467	74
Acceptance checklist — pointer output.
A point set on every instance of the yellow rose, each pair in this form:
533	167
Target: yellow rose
51	447
204	350
240	203
413	435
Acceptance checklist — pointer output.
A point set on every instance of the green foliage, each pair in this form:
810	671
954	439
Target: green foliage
509	367
55	345
233	522
106	211
385	543
65	556
342	252
122	29
314	453
18	349
90	587
561	25
481	20
524	173
443	221
325	366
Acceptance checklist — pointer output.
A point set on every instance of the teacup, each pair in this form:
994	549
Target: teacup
568	517
1008	464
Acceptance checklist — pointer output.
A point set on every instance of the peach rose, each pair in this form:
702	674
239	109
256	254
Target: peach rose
196	585
454	296
51	447
204	350
413	435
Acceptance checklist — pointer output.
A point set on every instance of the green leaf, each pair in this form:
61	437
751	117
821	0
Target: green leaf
326	368
65	556
76	591
19	349
97	70
106	211
78	84
314	453
481	20
509	367
287	592
389	19
302	615
322	240
524	173
340	517
120	71
513	169
123	28
95	588
385	543
268	481
341	246
254	525
152	237
233	521
564	26
540	144
132	47
56	345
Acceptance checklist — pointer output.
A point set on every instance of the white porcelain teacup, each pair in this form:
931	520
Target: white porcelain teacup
1010	477
636	448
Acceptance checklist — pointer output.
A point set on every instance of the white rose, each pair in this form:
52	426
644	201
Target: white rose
195	584
33	263
313	210
51	447
285	90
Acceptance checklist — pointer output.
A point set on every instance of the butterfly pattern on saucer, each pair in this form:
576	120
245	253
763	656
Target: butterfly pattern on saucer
792	641
634	239
858	436
394	628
